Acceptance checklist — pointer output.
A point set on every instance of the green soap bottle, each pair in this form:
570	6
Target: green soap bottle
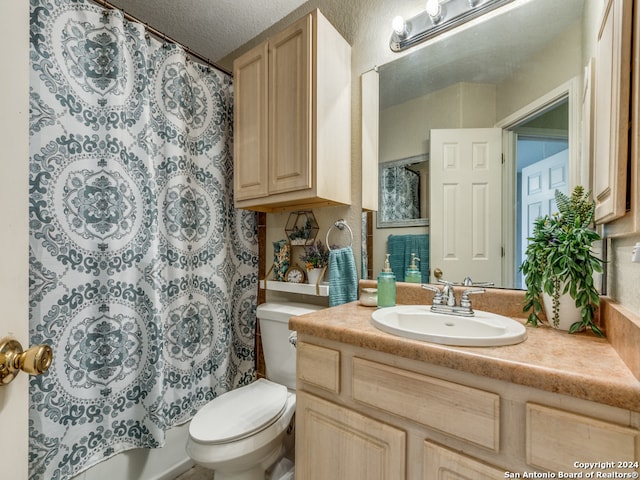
386	286
413	275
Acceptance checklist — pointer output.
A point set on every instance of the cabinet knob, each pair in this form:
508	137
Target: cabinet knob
34	361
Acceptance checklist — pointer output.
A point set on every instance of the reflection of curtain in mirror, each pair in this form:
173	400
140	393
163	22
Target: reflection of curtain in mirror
400	194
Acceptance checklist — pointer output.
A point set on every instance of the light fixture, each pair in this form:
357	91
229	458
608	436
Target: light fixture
434	10
438	17
400	27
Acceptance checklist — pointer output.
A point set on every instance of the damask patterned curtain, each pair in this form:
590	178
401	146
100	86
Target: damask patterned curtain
401	192
143	276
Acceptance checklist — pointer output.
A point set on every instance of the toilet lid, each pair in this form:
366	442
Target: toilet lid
239	413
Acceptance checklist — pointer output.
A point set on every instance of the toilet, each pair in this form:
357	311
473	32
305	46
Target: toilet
241	433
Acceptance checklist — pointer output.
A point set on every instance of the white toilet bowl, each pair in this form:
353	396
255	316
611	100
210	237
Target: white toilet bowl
241	433
236	439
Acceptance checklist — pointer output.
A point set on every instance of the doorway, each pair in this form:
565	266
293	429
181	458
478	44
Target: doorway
541	167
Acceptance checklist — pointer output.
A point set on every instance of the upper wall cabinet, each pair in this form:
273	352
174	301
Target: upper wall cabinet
292	120
611	110
630	221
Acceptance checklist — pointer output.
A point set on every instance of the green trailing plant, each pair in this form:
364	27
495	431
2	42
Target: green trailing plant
559	260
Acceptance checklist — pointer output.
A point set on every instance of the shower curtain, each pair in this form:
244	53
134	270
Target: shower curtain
143	277
401	194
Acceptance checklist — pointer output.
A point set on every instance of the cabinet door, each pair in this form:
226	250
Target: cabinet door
611	110
290	76
333	442
250	76
443	464
556	440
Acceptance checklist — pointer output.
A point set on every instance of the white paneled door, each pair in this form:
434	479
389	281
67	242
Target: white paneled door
539	184
466	204
14	284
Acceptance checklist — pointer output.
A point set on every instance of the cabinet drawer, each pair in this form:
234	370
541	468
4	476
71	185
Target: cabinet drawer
464	412
557	439
319	366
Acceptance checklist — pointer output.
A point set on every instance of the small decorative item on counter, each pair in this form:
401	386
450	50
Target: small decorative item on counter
560	263
295	274
315	256
413	274
281	259
314	275
369	297
302	228
386	286
316	261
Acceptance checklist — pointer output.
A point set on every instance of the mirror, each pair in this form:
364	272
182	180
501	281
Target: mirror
484	75
403	193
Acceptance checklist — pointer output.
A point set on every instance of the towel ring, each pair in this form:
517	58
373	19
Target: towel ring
340	225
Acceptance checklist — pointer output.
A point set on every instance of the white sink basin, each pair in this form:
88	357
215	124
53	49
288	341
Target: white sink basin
418	322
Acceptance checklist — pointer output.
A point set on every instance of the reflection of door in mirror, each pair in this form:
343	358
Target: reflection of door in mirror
466	199
542	168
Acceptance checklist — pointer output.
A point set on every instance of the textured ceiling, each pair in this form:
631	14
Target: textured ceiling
211	28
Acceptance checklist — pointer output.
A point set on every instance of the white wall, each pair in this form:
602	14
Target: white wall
560	61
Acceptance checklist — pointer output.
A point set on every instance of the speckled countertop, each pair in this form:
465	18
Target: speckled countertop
578	365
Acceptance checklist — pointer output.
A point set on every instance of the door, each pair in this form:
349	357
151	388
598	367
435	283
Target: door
290	61
465	231
539	184
334	442
250	124
14	138
611	112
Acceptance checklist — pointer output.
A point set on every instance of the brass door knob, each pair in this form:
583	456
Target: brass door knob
437	273
34	361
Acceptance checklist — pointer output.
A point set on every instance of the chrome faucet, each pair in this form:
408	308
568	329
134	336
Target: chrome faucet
444	301
467	282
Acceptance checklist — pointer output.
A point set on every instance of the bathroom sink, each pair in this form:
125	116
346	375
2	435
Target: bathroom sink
418	322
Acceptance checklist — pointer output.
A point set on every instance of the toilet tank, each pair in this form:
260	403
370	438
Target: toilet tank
279	353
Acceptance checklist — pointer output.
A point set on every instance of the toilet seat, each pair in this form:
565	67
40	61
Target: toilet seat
234	415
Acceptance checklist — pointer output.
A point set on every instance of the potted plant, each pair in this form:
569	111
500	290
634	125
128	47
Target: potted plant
316	259
559	262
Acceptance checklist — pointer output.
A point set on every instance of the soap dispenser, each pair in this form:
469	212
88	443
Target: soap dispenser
413	274
386	286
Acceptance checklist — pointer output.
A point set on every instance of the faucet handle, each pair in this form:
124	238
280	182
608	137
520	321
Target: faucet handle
464	300
431	288
437	297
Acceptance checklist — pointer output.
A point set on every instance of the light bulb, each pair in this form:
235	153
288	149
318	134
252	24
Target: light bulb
433	8
399	26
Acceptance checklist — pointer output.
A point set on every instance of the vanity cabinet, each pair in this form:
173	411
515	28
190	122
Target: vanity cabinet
443	464
342	443
292	127
628	176
363	414
611	110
